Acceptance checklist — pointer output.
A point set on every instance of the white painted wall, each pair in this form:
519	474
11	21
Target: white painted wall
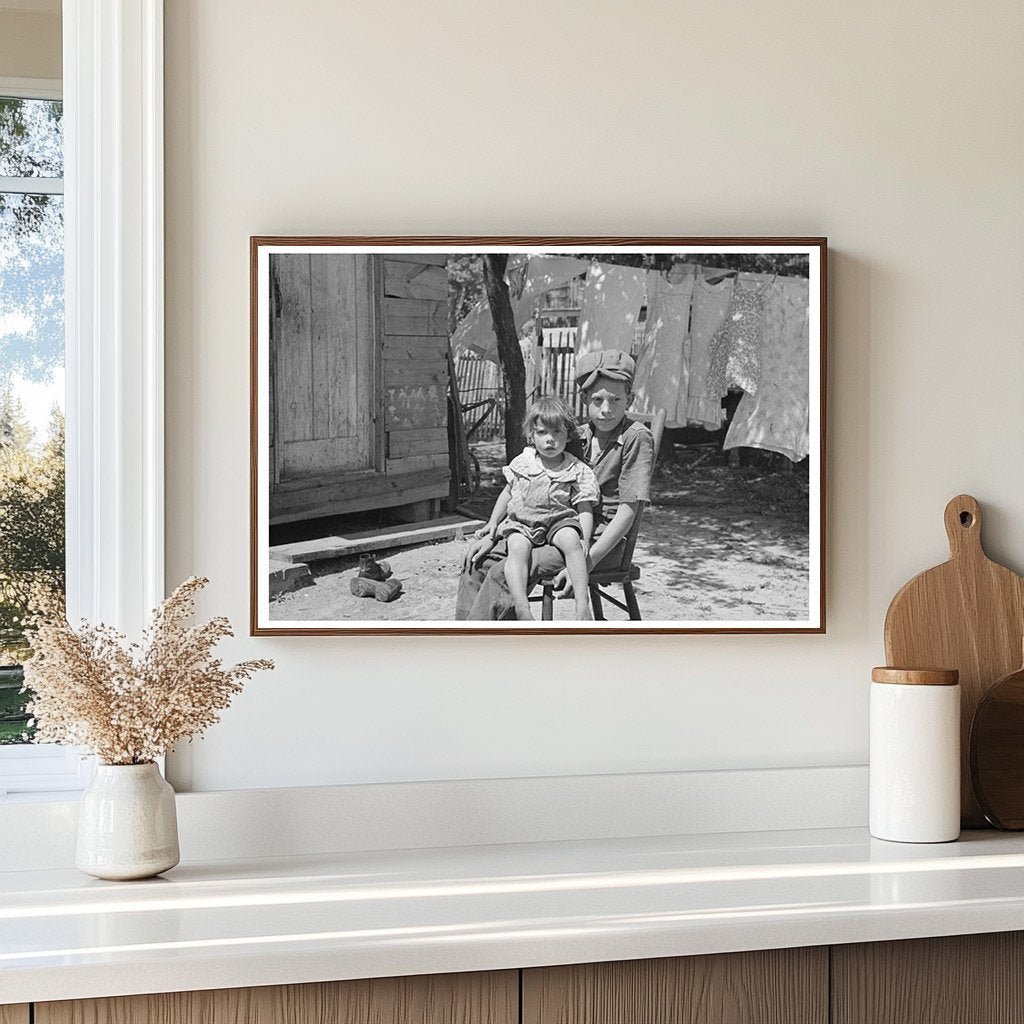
894	129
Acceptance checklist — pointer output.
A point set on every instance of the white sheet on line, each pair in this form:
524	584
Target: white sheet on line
662	364
611	308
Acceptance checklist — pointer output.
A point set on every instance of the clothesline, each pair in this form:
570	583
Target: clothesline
707	330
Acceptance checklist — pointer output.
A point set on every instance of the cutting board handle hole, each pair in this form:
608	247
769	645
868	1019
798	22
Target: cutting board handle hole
966	519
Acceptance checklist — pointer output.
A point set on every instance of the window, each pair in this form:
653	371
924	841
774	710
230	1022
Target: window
32	533
113	329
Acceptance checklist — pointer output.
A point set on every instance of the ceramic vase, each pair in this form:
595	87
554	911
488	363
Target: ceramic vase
127	825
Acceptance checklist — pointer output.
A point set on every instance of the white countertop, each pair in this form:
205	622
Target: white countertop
224	924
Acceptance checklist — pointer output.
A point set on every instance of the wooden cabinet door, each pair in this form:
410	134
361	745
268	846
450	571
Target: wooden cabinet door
779	986
959	979
480	998
14	1014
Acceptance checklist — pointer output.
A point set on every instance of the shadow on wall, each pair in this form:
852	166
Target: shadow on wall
853	289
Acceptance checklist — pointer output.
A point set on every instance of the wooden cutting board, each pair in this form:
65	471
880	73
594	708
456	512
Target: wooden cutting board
967	614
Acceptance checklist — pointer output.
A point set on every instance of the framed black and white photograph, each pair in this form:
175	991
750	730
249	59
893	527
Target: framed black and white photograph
470	435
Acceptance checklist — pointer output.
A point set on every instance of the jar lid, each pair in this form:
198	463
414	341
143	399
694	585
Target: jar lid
916	676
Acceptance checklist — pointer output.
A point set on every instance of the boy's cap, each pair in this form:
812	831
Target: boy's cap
609	362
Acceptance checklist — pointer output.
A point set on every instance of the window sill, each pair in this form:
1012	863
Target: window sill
40	797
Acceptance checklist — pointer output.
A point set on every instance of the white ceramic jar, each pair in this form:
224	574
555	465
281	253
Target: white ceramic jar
915	755
127	823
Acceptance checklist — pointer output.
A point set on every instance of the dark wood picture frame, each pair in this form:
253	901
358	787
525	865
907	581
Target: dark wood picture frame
259	626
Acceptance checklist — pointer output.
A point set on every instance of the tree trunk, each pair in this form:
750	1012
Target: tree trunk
510	355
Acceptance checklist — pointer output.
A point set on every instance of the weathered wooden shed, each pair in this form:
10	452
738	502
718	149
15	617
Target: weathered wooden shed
358	384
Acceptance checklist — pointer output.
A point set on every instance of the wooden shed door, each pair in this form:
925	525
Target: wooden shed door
323	356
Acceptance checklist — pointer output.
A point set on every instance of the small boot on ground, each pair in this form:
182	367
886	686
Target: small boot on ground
371	569
382	590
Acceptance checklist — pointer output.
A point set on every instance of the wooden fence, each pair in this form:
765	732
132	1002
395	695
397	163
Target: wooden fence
549	372
556	371
481	396
559	337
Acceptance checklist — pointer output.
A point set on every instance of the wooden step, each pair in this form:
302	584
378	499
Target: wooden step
286	576
401	536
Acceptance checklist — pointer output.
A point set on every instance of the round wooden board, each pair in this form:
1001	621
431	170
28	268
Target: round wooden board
997	752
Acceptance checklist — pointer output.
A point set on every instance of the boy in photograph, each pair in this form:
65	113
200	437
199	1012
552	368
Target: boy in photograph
621	454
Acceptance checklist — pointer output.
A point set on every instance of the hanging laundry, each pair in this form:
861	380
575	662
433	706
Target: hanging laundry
662	364
528	279
736	346
710	304
528	346
546	272
777	417
611	308
515	274
475	333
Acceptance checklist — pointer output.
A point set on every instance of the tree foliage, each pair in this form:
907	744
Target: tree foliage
32	547
31	138
784	263
465	286
31	243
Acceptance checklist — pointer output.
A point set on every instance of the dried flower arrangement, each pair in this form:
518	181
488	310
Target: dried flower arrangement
130	703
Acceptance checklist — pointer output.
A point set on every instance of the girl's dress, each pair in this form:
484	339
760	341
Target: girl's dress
736	346
710	304
545	500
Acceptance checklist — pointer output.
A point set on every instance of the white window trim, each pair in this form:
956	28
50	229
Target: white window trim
32	88
32	186
113	169
114	323
42	768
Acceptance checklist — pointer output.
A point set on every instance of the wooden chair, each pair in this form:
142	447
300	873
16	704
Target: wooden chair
625	574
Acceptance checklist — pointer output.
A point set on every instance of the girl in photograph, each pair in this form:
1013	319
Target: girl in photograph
549	498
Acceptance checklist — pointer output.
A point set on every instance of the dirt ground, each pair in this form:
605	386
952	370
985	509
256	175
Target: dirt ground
718	542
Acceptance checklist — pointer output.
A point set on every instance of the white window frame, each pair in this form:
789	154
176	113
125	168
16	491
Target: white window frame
37	767
114	323
31	89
